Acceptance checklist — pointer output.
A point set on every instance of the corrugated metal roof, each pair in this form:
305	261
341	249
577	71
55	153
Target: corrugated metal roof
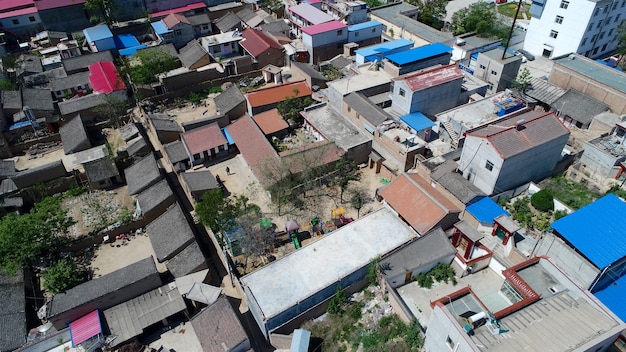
98	32
311	14
543	91
385	49
368	24
417	121
85	328
324	27
613	297
596	230
419	53
485	210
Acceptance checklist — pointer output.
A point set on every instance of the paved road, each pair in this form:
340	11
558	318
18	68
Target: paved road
455	5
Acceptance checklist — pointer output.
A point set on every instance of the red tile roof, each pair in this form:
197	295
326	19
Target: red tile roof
15	4
418	202
431	77
256	42
270	121
204	138
173	19
274	94
19	12
190	7
104	78
253	146
516	134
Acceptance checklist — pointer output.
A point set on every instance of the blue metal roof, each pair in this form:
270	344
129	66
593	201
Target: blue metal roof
131	51
126	41
485	210
417	121
384	47
596	230
364	25
419	53
98	32
300	340
613	297
160	28
19	125
228	137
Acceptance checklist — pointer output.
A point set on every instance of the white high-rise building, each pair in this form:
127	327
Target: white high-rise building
586	27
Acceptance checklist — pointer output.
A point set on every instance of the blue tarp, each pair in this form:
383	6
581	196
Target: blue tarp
613	297
596	230
228	137
417	121
419	53
485	210
126	41
19	125
131	51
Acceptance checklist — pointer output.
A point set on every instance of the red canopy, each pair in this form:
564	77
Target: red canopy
85	328
104	78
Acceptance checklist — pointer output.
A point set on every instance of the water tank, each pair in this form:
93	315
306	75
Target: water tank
476	319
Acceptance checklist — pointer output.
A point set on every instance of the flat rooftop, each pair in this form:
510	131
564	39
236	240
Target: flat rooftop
474	114
221	38
610	144
363	79
334	126
289	280
594	70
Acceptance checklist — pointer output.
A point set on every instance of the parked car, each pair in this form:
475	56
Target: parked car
526	54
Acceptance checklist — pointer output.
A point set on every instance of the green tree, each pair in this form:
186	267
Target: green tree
621	42
481	18
218	211
373	3
62	276
358	199
103	10
522	81
113	110
25	238
335	304
145	65
291	107
543	200
431	12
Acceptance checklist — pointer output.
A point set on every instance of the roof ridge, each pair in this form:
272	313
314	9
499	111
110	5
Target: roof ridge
508	128
421	188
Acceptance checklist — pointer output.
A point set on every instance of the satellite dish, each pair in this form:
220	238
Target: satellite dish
45	327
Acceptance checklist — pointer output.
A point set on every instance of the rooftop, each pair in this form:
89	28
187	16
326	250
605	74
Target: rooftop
533	128
579	106
257	42
287	281
396	13
101	286
199	181
221	38
104	78
187	261
431	77
275	94
142	174
218	328
13	311
204	138
176	152
82	62
334	126
485	210
74	136
186	8
364	25
372	52
270	122
363	79
71	81
603	245
101	169
191	53
478	112
455	183
496	54
541	90
595	71
417	121
229	99
324	27
418	202
170	233
163	123
154	196
371	112
174	19
419	53
99	32
310	14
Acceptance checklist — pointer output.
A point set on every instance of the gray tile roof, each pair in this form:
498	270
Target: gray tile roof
7	169
279	27
78	104
167	48
154	196
368	110
137	146
71	81
596	71
187	261
579	106
142	174
129	131
44	79
431	247
12	99
101	169
218	327
191	53
82	62
340	62
170	233
455	183
176	152
228	22
470	231
161	123
200	181
27	63
40	174
74	136
37	99
199	19
101	286
12	311
229	99
7	186
309	70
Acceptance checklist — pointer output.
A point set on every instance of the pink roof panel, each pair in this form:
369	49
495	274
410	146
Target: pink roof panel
20	12
8	5
324	27
194	6
85	328
104	78
53	4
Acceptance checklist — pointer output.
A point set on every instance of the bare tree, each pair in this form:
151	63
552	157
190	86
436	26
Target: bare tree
257	241
358	199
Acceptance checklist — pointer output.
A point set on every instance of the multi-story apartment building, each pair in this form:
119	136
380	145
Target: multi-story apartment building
586	27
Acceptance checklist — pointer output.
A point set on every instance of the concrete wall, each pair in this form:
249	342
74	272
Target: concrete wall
398	305
565	78
23	26
429	101
271	56
442	326
504	73
443	59
476	152
599	162
398	32
186	35
360	153
399	280
563	256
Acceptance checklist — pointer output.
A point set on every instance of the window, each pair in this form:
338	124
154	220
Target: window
623	3
340	32
558	19
601	36
221	148
358	116
178	32
554	34
494	73
595	12
31	18
564	4
349	109
489	165
614	6
449	342
356	34
16	21
610	32
587	52
590	27
617	18
583	42
373	30
606	9
604	46
593	39
217	49
608	20
205	27
482	67
402	92
599	25
595	51
489	86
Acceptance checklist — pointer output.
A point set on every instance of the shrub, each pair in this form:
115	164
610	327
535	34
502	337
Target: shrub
62	276
543	200
559	214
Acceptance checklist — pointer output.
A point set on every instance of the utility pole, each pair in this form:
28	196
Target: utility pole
508	40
